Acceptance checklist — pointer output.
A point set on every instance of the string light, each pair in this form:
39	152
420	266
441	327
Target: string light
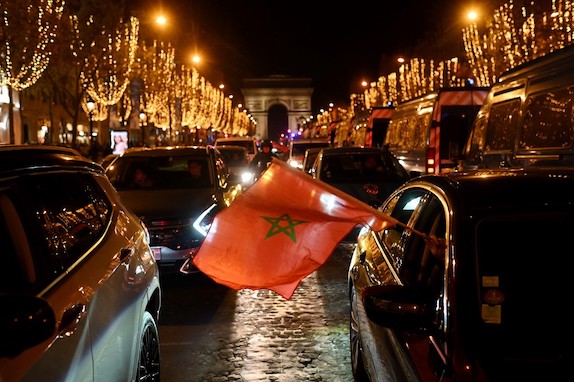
24	50
107	76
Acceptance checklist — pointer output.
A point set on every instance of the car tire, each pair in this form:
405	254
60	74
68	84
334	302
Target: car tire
357	366
149	357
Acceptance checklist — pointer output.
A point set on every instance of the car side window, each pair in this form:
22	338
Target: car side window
501	125
401	207
548	120
423	266
70	212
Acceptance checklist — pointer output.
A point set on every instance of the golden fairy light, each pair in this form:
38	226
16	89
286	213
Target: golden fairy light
25	50
515	35
107	75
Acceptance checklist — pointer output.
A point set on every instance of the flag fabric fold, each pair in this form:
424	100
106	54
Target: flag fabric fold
280	230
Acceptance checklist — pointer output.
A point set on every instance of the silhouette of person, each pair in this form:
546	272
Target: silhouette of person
263	158
195	169
371	165
142	179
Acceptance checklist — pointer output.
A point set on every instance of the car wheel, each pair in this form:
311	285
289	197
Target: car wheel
148	368
357	366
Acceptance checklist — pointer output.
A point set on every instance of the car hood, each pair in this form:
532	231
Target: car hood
153	204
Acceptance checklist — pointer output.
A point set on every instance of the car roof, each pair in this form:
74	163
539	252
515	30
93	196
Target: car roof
309	140
168	151
525	189
352	150
231	148
228	139
15	159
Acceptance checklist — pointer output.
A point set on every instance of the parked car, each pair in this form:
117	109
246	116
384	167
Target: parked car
347	168
482	296
297	148
237	161
251	144
79	286
157	184
527	116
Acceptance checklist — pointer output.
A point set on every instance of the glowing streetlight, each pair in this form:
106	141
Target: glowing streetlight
142	120
91	105
472	15
161	20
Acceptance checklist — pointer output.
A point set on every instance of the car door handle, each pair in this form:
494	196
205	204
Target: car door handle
70	319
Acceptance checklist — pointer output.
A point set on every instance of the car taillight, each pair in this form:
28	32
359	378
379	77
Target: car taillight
430	161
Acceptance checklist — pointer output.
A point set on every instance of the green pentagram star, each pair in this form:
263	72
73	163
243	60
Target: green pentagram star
284	224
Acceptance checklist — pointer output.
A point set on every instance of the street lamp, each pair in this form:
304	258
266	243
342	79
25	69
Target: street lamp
142	120
91	105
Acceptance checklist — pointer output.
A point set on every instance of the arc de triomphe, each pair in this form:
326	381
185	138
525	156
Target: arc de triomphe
277	103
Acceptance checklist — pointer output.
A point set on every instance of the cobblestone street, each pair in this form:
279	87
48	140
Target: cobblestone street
211	333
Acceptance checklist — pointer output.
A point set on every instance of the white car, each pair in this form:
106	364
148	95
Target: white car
298	147
250	143
79	286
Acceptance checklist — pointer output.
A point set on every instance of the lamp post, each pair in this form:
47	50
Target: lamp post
91	105
142	120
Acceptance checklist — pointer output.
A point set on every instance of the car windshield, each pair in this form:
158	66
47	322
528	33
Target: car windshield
166	172
349	167
234	157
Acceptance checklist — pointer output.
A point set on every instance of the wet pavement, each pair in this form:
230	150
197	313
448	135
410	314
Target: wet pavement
209	332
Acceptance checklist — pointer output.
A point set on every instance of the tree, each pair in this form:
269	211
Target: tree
26	51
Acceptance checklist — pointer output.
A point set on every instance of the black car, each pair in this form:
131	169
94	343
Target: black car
178	209
475	287
369	174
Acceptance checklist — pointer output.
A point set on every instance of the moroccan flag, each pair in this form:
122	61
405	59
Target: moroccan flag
280	230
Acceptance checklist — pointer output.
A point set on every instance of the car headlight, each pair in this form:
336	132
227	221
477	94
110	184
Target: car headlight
203	222
295	164
247	177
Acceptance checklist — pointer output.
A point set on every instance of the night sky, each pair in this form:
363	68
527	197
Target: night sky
336	45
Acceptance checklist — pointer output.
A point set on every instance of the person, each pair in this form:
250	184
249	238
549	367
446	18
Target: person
142	178
195	169
263	158
119	144
371	165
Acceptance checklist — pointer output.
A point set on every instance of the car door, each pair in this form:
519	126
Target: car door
410	354
88	280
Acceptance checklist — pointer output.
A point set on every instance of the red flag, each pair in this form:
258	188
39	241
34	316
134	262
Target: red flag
280	230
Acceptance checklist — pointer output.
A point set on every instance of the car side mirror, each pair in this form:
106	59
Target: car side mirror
25	321
398	307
